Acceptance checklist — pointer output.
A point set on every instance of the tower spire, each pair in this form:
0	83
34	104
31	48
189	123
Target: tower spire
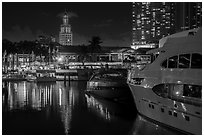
65	17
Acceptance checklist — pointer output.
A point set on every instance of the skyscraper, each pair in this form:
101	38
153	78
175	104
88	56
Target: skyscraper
189	15
65	34
151	22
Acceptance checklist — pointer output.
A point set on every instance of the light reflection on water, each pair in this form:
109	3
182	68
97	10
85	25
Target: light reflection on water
48	98
60	108
109	110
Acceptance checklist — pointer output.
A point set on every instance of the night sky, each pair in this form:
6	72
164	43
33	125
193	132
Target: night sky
109	20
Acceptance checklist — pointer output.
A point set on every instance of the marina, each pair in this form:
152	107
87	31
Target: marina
102	101
101	68
163	94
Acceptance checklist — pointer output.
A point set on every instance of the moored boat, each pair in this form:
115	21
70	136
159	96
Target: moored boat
45	76
66	74
13	77
72	74
31	77
169	89
109	84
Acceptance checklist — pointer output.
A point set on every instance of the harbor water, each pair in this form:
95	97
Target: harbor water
59	108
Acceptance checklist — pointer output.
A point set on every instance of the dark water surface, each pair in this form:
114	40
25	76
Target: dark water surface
59	108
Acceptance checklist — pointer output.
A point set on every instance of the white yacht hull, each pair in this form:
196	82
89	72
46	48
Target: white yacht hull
184	117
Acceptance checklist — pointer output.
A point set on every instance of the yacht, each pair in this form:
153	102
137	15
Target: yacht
13	77
31	77
109	84
45	75
168	90
73	74
66	74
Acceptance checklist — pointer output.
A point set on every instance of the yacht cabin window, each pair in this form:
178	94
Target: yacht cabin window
172	62
196	60
190	94
192	91
184	61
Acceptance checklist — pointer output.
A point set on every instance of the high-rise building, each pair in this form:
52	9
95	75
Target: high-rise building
65	34
189	15
151	22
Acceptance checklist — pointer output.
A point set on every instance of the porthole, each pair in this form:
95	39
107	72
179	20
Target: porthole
152	106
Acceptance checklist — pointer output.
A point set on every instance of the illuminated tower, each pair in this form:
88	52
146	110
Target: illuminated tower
65	34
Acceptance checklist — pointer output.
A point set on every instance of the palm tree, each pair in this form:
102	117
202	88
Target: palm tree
94	46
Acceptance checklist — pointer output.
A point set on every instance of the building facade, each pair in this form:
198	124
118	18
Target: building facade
65	34
189	15
151	21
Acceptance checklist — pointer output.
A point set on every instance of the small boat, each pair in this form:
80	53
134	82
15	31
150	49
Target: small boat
13	77
30	77
73	74
109	84
45	75
66	74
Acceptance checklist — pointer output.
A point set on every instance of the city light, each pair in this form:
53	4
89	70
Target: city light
60	59
96	68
